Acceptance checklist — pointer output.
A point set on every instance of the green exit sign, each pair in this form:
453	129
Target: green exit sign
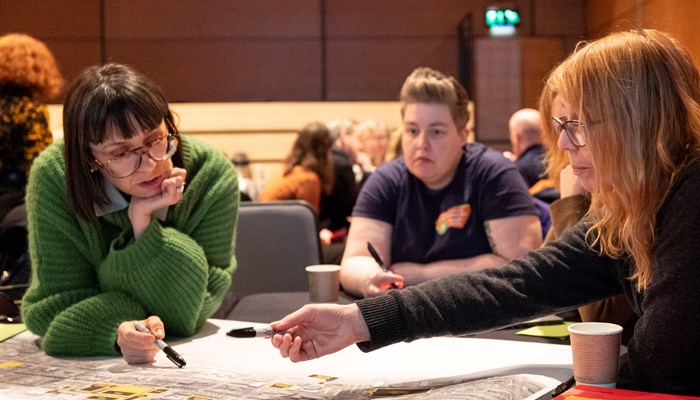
501	17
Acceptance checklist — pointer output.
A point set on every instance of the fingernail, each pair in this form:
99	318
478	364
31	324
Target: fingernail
159	331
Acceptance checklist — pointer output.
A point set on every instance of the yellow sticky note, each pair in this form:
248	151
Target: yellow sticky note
552	331
9	330
10	364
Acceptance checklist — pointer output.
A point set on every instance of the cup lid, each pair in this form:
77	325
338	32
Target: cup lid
323	268
595	328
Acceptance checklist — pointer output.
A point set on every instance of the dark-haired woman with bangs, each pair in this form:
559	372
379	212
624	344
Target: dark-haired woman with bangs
129	221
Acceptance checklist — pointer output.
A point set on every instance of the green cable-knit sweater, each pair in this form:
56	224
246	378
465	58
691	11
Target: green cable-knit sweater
87	279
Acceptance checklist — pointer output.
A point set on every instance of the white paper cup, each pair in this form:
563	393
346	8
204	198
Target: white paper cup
324	283
595	347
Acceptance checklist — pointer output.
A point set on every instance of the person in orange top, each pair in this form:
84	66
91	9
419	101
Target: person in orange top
308	171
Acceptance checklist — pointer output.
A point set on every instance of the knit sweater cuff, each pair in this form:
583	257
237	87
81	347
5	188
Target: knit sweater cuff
383	319
89	328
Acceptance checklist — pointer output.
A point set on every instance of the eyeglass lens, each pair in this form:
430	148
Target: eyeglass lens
159	150
571	128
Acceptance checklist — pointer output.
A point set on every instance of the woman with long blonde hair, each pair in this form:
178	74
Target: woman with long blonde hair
631	132
571	207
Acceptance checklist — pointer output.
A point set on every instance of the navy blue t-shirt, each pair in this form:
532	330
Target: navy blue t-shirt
431	225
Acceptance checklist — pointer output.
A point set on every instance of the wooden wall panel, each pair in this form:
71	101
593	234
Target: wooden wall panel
364	69
560	18
605	16
212	19
372	46
539	56
498	89
225	70
77	19
220	50
673	16
678	17
71	32
247	50
408	19
264	130
74	56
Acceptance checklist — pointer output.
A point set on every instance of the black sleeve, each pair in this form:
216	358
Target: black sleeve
562	275
663	352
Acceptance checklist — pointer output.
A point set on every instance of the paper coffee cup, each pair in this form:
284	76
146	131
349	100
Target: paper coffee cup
595	347
324	283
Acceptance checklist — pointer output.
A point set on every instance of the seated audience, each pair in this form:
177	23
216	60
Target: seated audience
115	237
528	153
572	206
246	185
29	77
394	145
372	144
308	170
336	206
445	206
347	142
631	131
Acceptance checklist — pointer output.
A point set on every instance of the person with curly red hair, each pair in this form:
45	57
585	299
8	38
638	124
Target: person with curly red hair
29	77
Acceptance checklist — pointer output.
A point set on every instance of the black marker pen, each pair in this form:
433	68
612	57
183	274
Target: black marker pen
169	352
563	387
379	261
251	332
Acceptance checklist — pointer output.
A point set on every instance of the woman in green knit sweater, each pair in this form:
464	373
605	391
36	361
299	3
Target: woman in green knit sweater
114	237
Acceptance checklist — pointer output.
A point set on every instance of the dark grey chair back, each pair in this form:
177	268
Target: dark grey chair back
274	242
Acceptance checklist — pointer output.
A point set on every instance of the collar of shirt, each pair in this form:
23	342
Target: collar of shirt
117	202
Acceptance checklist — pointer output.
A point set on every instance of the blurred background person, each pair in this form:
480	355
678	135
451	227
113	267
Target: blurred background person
308	169
29	78
395	150
527	151
336	206
246	184
372	144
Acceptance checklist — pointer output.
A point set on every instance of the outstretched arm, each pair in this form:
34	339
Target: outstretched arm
314	331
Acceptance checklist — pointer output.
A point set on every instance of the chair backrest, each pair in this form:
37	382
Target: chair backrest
274	242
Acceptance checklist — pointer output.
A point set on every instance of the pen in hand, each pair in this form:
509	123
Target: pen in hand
169	352
379	261
251	332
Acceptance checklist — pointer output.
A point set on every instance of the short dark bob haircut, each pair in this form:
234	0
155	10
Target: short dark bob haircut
101	102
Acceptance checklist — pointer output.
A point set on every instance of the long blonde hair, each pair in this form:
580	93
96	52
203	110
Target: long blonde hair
638	96
555	159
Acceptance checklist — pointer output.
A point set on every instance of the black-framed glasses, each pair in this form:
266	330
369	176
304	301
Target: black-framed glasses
571	127
128	162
